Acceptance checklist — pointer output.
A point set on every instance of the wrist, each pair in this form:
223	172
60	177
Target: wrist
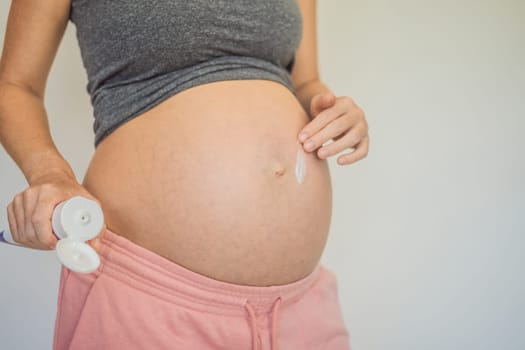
49	174
48	163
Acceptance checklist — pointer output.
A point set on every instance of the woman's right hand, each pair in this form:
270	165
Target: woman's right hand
31	210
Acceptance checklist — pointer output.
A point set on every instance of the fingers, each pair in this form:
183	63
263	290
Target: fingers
29	201
347	140
29	216
12	221
41	220
18	209
361	151
333	128
95	242
319	122
29	219
344	123
320	102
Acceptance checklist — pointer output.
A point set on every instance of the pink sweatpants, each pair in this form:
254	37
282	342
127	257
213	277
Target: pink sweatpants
140	300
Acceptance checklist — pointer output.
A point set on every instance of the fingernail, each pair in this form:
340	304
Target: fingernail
309	145
303	136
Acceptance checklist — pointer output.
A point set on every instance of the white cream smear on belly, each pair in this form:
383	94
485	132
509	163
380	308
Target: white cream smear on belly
300	164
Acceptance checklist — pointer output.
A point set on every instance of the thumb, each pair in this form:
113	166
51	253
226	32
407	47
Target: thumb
320	102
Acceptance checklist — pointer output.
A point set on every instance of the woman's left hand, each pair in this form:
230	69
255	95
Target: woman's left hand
339	119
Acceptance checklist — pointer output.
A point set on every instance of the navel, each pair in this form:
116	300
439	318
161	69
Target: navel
278	170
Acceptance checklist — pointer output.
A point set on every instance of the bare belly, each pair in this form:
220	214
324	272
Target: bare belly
207	179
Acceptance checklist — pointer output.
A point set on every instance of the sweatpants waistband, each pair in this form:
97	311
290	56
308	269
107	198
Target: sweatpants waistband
153	274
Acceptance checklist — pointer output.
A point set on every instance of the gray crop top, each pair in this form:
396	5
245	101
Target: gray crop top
138	53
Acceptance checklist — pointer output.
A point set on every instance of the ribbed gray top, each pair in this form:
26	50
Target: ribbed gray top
139	53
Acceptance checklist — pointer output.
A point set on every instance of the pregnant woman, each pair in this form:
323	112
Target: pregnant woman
216	210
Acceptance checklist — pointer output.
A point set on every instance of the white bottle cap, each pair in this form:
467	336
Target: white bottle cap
77	255
79	217
75	221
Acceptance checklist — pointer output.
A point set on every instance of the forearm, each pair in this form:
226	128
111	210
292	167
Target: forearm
25	134
305	93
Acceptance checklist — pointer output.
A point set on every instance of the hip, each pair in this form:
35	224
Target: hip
173	306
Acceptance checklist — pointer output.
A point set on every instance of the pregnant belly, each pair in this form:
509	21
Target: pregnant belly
207	179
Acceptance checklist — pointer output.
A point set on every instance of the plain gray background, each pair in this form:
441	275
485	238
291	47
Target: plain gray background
428	231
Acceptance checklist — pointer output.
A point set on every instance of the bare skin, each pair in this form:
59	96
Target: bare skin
213	187
205	179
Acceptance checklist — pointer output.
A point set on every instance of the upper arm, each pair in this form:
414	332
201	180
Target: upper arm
306	65
33	33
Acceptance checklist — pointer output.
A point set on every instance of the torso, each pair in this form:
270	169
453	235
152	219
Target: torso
207	179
